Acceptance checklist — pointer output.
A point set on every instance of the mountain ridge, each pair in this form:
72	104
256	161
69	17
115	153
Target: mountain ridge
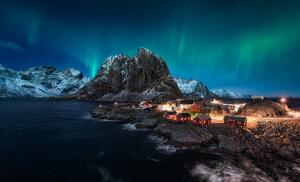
40	82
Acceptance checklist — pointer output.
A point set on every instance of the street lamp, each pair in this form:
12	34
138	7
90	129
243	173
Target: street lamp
283	100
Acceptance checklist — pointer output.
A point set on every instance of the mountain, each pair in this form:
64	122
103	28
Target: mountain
193	89
43	81
228	94
142	77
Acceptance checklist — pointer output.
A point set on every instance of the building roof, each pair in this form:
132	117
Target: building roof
195	108
237	118
170	112
184	114
203	117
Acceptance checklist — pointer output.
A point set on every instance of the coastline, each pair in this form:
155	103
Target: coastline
269	146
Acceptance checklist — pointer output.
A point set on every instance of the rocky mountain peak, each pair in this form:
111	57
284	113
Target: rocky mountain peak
143	51
142	77
193	89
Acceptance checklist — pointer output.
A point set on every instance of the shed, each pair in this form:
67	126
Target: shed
235	120
170	115
184	117
203	119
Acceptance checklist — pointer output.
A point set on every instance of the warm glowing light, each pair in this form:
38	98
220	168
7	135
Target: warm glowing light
283	100
233	107
166	106
215	101
295	114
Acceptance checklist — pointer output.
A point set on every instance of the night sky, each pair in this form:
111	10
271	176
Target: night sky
249	46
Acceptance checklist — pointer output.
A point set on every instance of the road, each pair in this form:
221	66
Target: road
251	121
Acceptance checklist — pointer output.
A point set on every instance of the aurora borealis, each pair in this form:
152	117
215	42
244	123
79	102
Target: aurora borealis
250	46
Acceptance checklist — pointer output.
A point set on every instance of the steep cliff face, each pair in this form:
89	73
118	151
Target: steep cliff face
42	81
122	78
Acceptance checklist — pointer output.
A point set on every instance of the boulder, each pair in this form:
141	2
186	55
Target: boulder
183	134
149	123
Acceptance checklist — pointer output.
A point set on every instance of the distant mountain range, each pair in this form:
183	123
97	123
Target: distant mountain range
120	78
229	94
43	81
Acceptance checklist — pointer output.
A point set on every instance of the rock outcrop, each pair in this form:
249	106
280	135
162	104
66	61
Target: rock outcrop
122	78
123	113
281	138
43	81
263	108
183	134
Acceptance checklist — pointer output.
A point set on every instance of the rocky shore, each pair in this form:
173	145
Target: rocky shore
273	147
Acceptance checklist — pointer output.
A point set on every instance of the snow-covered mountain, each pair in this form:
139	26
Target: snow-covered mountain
193	89
223	93
43	81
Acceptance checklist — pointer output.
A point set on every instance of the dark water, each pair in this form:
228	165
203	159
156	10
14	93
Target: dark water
55	141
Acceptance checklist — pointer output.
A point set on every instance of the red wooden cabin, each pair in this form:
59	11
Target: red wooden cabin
203	119
236	120
170	115
184	117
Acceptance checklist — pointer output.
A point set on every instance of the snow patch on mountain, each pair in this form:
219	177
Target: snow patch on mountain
193	89
223	93
43	81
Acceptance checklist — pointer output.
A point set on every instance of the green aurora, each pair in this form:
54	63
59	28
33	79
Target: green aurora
250	46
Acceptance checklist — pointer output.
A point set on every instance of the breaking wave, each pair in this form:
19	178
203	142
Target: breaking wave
129	126
219	173
88	116
106	175
226	172
162	146
132	127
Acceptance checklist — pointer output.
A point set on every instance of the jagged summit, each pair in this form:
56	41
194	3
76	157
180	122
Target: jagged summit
193	89
122	78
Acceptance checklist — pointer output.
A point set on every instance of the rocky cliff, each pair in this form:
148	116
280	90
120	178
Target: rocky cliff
142	77
43	81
